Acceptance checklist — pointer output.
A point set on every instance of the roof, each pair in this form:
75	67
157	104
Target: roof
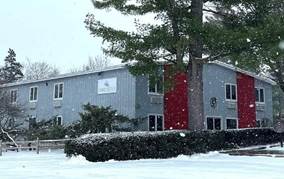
66	75
234	68
121	66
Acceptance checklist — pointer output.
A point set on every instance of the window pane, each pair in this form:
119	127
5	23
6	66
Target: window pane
231	124
234	94
217	123
228	92
261	91
31	94
160	85
258	123
209	123
61	91
151	123
152	85
160	123
56	91
35	94
256	95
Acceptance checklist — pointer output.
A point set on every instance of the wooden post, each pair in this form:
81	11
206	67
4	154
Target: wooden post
0	147
281	140
37	145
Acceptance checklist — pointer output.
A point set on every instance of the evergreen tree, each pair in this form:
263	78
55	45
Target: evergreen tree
183	38
12	70
97	119
259	43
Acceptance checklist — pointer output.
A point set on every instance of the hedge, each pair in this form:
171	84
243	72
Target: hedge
141	145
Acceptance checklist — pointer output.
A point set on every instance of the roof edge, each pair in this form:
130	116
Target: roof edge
237	69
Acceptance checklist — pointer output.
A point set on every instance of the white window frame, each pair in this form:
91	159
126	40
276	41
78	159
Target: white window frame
156	88
33	94
56	120
231	100
221	122
156	116
59	98
11	98
258	91
234	118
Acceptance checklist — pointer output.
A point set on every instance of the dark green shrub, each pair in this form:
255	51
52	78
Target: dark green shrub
139	145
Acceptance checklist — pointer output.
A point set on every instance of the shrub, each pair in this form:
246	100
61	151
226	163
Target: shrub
46	130
99	119
138	145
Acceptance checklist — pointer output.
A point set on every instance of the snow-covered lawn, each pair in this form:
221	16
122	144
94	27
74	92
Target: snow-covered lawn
28	165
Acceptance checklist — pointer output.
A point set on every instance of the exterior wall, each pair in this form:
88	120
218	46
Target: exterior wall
215	79
176	102
143	104
265	111
79	90
246	101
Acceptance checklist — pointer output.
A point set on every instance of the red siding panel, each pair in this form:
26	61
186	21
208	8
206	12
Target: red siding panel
246	101
175	102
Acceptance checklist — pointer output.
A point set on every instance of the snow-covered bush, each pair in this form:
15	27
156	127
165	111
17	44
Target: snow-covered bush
138	145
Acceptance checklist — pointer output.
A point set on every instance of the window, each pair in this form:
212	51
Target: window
156	123
155	85
32	122
231	123
231	92
261	123
33	94
58	120
259	95
58	91
14	96
213	123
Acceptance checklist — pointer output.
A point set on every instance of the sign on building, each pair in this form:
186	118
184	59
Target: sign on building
107	85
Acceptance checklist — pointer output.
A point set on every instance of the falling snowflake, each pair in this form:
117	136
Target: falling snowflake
182	134
251	105
248	40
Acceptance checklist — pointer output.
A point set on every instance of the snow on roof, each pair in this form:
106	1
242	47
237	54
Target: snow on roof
66	75
234	68
121	66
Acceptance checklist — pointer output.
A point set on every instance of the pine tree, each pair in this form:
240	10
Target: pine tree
183	38
259	25
12	70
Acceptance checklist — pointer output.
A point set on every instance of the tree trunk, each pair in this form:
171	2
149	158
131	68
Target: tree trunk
195	68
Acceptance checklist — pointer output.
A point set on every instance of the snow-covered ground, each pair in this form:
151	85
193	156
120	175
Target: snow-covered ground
28	165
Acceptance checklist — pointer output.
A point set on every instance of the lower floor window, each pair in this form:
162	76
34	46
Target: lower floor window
32	122
156	123
213	123
261	123
58	120
231	123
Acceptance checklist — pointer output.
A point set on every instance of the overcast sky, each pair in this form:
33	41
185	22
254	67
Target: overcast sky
52	31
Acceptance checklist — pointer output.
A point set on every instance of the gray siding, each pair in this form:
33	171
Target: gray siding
265	111
143	104
214	79
79	90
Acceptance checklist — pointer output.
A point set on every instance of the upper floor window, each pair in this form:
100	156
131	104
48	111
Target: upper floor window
58	91
33	94
231	92
259	95
14	94
155	85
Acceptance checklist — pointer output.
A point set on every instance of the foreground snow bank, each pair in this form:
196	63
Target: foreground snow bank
213	165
